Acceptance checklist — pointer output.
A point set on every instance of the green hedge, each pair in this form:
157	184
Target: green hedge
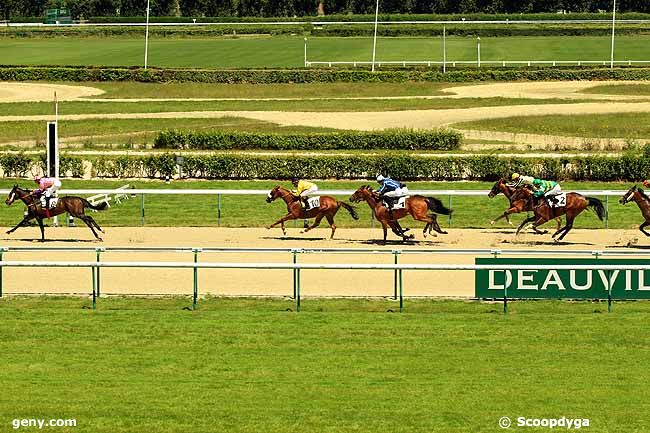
404	167
274	76
391	139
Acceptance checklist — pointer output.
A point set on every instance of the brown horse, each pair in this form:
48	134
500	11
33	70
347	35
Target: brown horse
329	206
75	206
643	201
516	206
575	204
416	205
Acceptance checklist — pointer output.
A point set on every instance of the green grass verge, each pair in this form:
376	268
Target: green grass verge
253	211
289	51
138	365
617	125
623	89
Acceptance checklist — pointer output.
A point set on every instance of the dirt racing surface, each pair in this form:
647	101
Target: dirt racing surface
241	282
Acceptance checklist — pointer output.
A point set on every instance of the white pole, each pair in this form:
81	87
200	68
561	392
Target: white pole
305	52
444	49
146	38
478	51
611	62
56	109
374	41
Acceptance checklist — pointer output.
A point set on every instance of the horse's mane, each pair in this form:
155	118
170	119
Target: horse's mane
643	194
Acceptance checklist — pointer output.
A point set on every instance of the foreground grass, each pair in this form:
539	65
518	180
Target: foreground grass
288	51
253	211
619	125
138	365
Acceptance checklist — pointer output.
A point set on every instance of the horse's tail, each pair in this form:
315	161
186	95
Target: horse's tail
100	206
351	209
597	206
436	206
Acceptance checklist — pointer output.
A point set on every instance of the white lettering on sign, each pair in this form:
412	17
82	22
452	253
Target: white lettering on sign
492	283
523	278
553	278
574	284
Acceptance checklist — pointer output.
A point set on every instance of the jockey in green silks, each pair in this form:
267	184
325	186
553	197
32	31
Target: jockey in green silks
546	188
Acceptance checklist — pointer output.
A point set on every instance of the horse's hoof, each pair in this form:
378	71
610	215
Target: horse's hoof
510	222
268	227
443	232
492	222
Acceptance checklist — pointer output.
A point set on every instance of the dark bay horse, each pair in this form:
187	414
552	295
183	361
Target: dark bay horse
329	206
516	206
416	205
575	204
75	206
643	201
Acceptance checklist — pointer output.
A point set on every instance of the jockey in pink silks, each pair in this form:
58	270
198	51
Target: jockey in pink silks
47	186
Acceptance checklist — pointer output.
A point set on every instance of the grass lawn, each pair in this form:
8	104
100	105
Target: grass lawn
253	211
145	365
618	125
287	51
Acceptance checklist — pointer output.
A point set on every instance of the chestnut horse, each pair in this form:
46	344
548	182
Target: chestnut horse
575	204
329	206
643	201
516	206
75	206
416	205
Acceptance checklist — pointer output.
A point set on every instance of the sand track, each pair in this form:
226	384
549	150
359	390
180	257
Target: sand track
274	282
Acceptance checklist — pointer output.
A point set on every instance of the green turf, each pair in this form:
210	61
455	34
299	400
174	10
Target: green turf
145	365
253	211
623	89
288	51
619	125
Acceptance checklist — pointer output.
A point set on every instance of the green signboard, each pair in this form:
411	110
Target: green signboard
562	283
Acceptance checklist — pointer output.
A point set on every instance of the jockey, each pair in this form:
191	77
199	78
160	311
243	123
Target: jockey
519	180
546	188
646	183
47	186
390	190
303	189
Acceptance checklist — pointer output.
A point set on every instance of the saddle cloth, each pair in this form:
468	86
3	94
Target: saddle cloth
560	200
400	203
53	201
313	202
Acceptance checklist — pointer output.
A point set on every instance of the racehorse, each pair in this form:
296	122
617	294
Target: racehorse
575	204
329	206
416	205
75	206
516	206
643	201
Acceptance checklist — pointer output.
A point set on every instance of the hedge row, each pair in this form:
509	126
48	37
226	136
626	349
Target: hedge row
391	139
274	76
331	30
404	167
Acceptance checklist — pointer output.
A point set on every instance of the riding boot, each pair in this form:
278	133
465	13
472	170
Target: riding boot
47	202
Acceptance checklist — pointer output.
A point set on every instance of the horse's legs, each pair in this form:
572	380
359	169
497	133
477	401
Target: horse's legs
93	222
526	221
87	220
319	217
281	221
330	220
644	225
559	222
506	215
40	225
567	227
384	226
24	221
435	225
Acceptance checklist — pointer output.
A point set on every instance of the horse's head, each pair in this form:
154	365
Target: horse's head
497	188
629	195
12	195
361	194
275	193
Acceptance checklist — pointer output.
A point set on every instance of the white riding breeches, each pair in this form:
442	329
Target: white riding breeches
399	192
51	191
309	191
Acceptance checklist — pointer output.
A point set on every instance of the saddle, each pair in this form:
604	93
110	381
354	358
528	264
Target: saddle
53	202
395	204
312	203
558	200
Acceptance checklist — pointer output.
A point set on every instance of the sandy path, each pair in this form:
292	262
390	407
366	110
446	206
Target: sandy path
275	282
33	92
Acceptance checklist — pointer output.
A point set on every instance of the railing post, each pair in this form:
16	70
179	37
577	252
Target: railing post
401	292
98	250
298	290
196	277
295	272
396	253
92	270
218	210
142	207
